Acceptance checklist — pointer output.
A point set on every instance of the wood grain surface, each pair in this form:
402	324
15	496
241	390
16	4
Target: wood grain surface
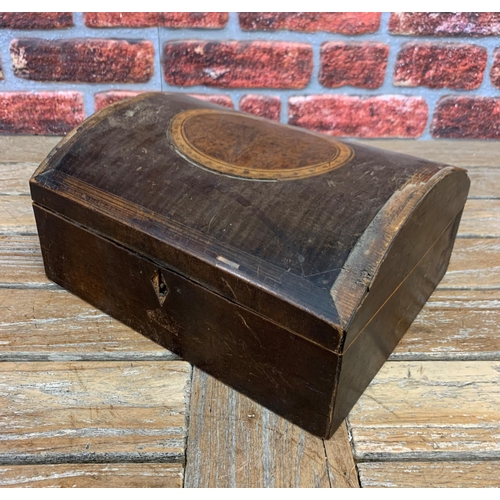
14	177
481	217
430	474
105	475
429	410
454	325
234	442
436	399
21	263
485	182
44	325
26	148
54	325
429	418
461	153
16	215
475	262
67	412
60	412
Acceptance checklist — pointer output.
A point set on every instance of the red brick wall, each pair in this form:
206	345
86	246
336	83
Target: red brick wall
411	75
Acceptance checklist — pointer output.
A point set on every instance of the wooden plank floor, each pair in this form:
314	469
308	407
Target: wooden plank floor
85	401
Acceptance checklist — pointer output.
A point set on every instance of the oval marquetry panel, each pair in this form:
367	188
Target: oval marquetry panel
252	148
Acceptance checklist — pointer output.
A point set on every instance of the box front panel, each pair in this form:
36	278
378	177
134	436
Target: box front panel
279	369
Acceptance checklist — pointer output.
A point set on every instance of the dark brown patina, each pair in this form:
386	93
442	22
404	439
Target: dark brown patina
293	291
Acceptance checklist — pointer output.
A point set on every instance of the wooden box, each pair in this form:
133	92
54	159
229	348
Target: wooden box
283	262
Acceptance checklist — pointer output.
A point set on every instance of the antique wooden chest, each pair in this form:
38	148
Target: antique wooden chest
283	262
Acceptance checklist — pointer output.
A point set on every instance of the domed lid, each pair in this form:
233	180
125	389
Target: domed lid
262	213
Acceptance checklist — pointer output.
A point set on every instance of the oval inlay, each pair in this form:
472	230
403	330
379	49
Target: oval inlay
249	147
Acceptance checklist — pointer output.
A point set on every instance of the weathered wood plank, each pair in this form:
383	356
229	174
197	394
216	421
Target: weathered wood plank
474	263
54	325
26	148
430	474
459	153
93	412
429	410
234	442
341	467
149	475
14	177
454	325
46	325
481	218
16	215
485	182
21	262
438	333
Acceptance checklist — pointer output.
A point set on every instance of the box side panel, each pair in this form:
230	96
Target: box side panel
401	233
286	373
368	352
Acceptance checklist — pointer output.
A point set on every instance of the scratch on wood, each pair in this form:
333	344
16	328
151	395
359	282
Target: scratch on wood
229	286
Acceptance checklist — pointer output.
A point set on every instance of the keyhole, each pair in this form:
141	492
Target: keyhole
160	286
